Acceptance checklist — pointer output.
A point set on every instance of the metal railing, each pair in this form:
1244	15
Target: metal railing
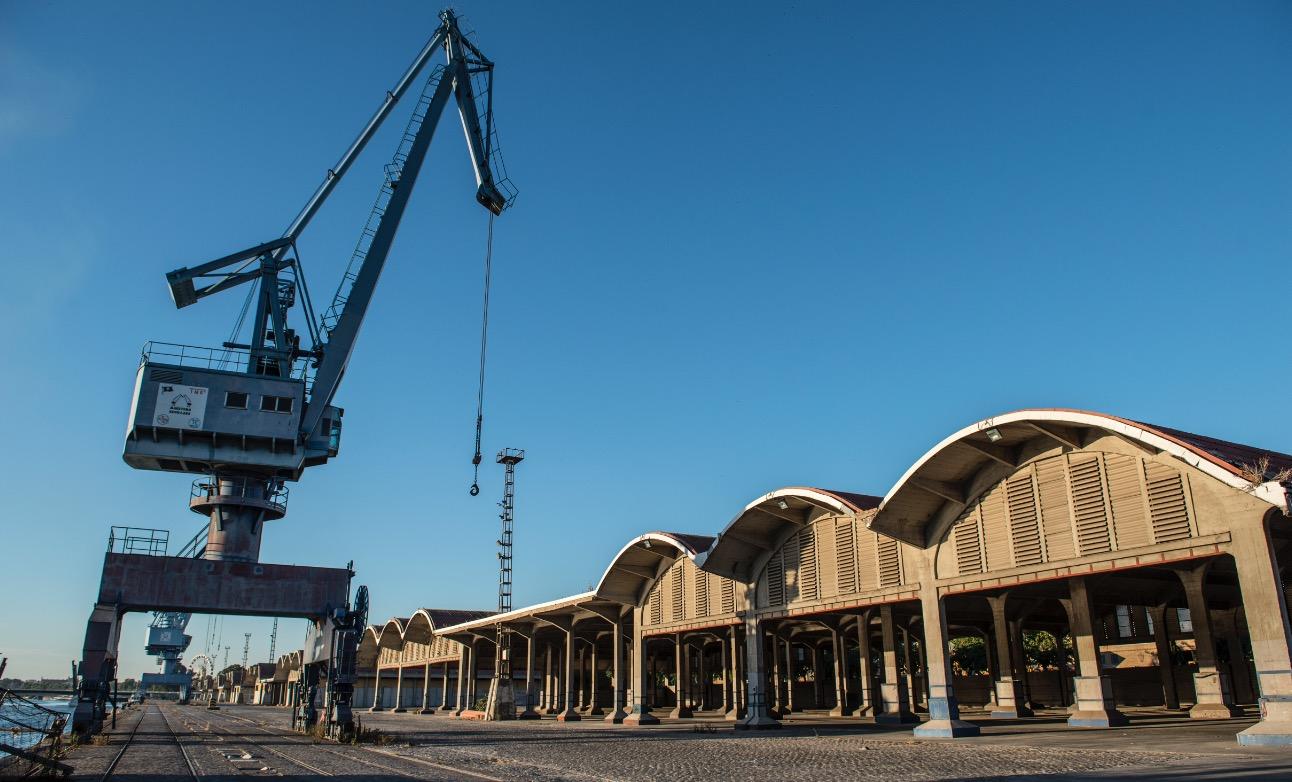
226	359
247	488
138	540
196	547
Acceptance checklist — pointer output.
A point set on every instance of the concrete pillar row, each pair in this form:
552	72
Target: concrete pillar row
528	712
1214	695
1095	706
1162	639
464	658
1240	675
866	698
549	702
1265	606
893	694
1010	702
756	716
726	677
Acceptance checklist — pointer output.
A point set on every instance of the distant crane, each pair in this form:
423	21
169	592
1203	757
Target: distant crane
273	641
246	649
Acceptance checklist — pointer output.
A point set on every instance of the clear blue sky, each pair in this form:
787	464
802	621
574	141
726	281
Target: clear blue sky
756	246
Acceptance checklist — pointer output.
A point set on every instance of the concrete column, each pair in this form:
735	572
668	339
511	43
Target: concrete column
775	699
726	677
399	690
680	709
529	712
893	694
1010	703
426	690
865	698
944	711
1095	706
1020	660
1161	637
1215	699
1240	675
580	688
376	691
549	685
702	680
1265	607
639	712
568	714
618	710
912	664
756	716
840	673
464	657
594	707
733	644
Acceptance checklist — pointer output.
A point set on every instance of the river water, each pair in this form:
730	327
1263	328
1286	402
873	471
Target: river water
21	713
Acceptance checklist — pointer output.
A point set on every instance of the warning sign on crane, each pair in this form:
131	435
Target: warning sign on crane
180	407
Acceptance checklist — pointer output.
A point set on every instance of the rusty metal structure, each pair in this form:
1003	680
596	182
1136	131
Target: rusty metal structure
250	416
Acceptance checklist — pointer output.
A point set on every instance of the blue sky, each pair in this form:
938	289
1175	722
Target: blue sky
756	245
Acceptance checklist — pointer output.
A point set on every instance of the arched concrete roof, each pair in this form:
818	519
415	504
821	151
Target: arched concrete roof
369	647
635	568
955	472
423	624
392	634
757	531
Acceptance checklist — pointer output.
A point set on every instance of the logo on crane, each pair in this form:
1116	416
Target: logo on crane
180	403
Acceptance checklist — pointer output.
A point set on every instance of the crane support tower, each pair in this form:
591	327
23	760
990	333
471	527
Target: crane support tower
501	704
248	417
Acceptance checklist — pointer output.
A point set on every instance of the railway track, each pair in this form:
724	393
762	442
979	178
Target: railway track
148	759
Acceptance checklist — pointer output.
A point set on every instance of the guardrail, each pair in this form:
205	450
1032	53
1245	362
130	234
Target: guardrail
138	540
206	488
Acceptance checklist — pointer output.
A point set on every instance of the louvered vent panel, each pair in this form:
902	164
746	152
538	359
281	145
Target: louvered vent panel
967	535
1024	522
728	596
701	593
994	512
656	605
1166	503
808	581
677	589
1126	496
776	580
1056	515
845	553
790	553
1088	506
890	562
867	572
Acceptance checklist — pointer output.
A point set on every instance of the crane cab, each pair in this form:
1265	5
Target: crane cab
195	419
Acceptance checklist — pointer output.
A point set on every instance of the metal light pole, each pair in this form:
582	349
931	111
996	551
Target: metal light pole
502	699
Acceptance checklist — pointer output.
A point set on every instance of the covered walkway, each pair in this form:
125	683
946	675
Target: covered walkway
1037	561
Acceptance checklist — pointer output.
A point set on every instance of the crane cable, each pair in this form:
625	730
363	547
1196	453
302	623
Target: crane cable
484	344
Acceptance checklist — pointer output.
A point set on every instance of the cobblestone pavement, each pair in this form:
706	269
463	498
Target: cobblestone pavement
550	752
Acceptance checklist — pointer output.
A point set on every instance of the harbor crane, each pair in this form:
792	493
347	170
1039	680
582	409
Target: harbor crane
248	417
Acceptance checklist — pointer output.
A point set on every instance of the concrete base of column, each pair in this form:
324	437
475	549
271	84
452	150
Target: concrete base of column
1094	707
1008	704
758	722
641	718
398	710
616	717
595	711
1273	731
529	714
427	710
681	713
376	709
569	715
1214	697
941	726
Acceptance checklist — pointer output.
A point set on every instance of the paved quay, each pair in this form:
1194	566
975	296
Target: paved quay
1158	745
